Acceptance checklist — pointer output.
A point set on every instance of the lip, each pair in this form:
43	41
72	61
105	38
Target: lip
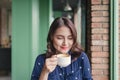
64	48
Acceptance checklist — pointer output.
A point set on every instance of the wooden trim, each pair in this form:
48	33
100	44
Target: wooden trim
114	39
0	27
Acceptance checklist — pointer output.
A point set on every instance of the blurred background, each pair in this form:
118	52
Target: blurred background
24	25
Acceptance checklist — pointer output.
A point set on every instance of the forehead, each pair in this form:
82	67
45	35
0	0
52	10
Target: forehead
63	30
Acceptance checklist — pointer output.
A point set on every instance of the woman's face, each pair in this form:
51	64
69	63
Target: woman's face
62	39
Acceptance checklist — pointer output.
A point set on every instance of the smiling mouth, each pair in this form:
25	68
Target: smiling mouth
64	48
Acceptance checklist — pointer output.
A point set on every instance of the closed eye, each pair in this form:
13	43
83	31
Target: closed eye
59	37
70	37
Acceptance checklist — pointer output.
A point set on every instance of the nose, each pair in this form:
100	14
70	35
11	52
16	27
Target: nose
65	42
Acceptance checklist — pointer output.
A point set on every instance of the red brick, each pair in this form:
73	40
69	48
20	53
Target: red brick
102	31
96	37
106	72
102	77
100	19
99	54
96	48
96	2
97	60
97	13
100	39
99	42
100	7
105	48
100	60
105	13
100	13
105	37
100	66
106	30
96	25
106	1
105	25
97	72
106	60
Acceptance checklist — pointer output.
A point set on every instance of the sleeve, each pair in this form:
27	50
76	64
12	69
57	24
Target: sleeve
86	68
37	68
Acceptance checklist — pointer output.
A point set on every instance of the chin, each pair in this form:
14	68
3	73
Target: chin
64	51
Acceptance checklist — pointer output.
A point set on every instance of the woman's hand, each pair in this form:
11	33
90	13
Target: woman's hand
50	63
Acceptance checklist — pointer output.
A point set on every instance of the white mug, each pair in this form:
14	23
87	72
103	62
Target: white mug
64	59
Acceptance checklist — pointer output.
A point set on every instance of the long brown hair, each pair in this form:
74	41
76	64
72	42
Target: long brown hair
57	23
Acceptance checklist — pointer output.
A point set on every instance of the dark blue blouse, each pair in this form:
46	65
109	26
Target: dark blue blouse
77	70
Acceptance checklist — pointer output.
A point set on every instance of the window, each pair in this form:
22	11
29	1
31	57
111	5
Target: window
5	38
76	11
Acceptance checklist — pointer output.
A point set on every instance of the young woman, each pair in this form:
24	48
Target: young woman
62	38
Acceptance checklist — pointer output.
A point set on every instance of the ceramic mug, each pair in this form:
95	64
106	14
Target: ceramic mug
63	59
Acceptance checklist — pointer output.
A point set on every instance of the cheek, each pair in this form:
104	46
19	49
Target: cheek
71	43
57	43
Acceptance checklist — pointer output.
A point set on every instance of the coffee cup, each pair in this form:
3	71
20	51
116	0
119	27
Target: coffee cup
64	59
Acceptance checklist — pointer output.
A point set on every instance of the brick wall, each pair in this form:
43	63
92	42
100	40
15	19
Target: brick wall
100	39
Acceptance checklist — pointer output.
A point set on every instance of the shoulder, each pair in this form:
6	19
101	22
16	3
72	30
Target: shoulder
40	58
83	55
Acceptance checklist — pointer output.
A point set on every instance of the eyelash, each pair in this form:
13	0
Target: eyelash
59	38
62	38
70	38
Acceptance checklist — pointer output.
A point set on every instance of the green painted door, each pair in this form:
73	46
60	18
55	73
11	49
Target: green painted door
30	23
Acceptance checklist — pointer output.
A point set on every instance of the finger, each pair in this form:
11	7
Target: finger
53	64
51	61
50	68
54	56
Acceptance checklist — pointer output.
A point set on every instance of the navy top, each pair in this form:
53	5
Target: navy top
77	70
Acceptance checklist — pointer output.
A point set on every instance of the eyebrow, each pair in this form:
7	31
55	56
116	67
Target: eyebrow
63	35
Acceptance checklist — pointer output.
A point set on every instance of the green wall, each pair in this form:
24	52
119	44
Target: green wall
45	15
21	39
30	23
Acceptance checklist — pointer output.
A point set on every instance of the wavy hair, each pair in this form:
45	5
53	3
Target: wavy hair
57	23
